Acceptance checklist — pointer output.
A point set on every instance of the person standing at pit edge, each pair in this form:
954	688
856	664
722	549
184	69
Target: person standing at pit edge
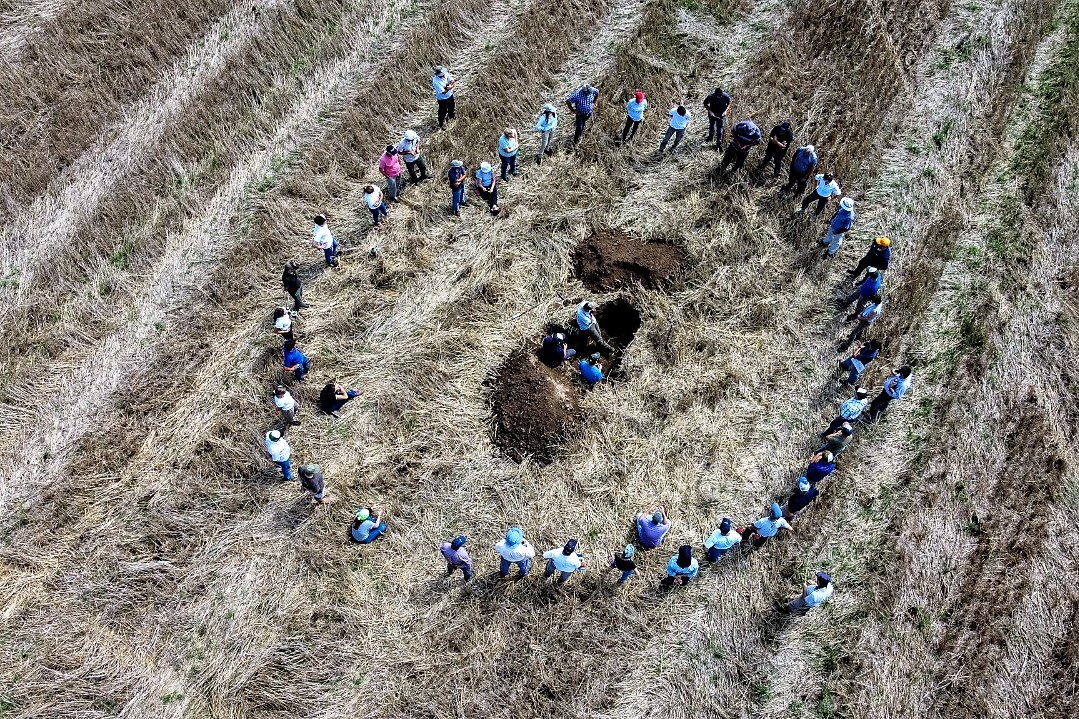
634	115
290	280
587	323
582	104
546	124
324	240
718	105
444	84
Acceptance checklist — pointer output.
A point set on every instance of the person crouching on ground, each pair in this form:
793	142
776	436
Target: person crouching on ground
590	369
555	351
367	526
813	595
334	396
767	527
456	557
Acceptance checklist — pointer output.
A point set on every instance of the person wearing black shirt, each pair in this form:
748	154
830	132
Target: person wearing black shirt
778	142
333	397
718	105
290	280
624	563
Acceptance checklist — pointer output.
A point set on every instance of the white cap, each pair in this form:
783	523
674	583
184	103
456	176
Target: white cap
440	71
485	166
273	435
411	135
847	203
811	148
550	108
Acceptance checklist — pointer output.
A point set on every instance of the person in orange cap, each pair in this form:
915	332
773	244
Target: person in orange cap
879	255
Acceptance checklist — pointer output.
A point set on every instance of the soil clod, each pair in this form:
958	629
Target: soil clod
533	406
610	259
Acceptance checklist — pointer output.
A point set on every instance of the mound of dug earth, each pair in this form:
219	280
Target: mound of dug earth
610	259
533	406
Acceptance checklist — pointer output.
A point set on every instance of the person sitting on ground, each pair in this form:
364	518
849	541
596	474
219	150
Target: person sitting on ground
745	136
766	527
813	595
676	128
289	407
565	560
864	289
872	311
635	108
282	323
652	527
721	541
587	323
779	140
837	442
803	164
487	185
295	361
624	563
290	280
849	411
879	255
590	369
820	466
311	480
555	351
842	222
546	124
681	568
279	452
801	499
323	239
456	557
855	364
826	187
514	549
367	526
334	396
895	387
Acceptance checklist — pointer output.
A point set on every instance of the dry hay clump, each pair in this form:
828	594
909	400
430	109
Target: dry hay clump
609	259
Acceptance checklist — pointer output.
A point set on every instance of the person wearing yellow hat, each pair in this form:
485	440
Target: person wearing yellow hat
879	255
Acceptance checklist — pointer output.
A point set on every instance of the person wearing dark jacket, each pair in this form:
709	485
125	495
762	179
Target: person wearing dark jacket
311	480
879	255
820	466
333	397
290	280
745	137
800	500
779	140
718	106
803	165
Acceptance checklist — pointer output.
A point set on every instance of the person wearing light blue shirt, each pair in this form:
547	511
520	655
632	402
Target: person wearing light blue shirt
721	541
546	123
586	322
841	224
680	118
767	527
590	369
895	387
634	115
681	568
487	185
443	84
507	152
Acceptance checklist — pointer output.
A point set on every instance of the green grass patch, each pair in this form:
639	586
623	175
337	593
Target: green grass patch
121	256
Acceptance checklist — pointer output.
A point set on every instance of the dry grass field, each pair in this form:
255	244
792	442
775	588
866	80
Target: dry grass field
160	161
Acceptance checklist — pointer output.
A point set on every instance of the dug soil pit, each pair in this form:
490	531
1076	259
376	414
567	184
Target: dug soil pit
533	404
610	259
618	321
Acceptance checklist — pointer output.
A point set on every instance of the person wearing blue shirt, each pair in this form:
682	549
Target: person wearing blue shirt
590	369
766	527
803	165
855	364
849	411
895	387
842	222
555	351
295	361
443	84
487	185
745	136
680	118
508	146
456	177
586	322
582	102
367	526
681	568
879	255
721	541
864	290
546	123
820	466
634	115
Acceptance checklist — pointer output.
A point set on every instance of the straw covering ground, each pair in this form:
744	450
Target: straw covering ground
160	162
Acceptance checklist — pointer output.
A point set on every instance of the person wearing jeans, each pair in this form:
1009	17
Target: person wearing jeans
514	549
456	177
335	396
546	123
841	224
803	164
279	452
373	197
443	84
295	361
855	364
324	240
564	560
895	387
389	164
507	152
634	115
367	526
625	564
718	105
872	312
721	541
680	118
582	103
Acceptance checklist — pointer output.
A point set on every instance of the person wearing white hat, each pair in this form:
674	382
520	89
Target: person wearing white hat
487	185
279	452
409	149
842	222
444	84
456	176
287	404
546	122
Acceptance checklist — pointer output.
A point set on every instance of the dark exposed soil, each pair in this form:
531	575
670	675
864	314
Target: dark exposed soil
610	259
533	406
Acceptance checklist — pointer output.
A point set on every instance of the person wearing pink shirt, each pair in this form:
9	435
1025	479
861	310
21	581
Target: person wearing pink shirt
390	167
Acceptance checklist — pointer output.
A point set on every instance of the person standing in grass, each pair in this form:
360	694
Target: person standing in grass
587	323
870	313
676	128
290	280
837	441
564	560
514	549
803	164
801	499
864	289
508	146
323	239
766	527
411	153
625	564
634	115
779	140
335	396
821	465
895	387
546	124
849	411
279	452
373	198
444	84
367	526
287	405
681	568
389	164
456	176
813	595
652	527
879	255
582	103
282	324
295	361
456	557
312	481
718	107
487	185
841	224
855	364
590	369
826	187
721	541
745	137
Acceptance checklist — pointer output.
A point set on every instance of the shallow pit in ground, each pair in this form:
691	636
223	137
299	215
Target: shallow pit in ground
609	259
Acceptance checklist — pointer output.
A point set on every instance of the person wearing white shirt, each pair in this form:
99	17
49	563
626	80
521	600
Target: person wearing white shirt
279	452
374	199
546	123
680	118
443	84
813	595
282	323
288	406
324	240
826	187
721	541
409	149
634	115
565	560
514	549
